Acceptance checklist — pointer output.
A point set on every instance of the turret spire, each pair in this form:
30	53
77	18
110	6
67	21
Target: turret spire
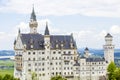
46	30
33	22
33	16
19	31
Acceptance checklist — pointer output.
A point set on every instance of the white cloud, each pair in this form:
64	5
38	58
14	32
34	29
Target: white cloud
89	38
104	8
115	29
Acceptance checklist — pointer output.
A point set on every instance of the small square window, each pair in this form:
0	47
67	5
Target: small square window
28	53
59	52
54	52
33	53
42	52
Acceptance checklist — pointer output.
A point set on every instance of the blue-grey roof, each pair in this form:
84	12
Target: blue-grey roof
86	49
66	40
76	63
82	57
94	59
46	30
108	35
37	40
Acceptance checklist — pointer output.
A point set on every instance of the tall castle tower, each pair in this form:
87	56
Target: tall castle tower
33	23
108	48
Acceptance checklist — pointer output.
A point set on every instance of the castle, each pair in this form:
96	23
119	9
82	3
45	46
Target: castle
50	55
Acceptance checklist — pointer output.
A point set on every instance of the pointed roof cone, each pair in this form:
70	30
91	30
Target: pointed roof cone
14	41
33	16
19	31
108	35
46	30
86	49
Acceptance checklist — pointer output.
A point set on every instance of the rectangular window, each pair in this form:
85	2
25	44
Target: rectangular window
29	64
52	58
33	59
66	63
33	53
35	69
47	57
59	63
29	70
42	64
59	52
69	52
29	59
35	64
42	69
59	57
42	52
28	53
54	52
43	58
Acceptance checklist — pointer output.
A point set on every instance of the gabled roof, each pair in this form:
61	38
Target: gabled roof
37	40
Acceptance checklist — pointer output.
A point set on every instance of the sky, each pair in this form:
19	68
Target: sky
88	20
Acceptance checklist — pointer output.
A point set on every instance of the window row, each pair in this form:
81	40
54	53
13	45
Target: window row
30	53
59	73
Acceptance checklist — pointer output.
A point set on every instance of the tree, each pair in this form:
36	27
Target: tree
117	73
8	77
111	71
34	76
0	77
58	78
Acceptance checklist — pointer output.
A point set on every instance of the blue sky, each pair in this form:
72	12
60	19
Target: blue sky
88	20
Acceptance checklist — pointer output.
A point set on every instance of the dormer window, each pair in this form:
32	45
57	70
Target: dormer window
62	45
71	45
31	46
56	45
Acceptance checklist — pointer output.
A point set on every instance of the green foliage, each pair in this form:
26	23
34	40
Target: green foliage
113	72
6	71
34	76
6	63
0	77
117	74
8	77
58	78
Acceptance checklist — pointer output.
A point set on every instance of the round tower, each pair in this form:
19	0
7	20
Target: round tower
33	23
108	48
